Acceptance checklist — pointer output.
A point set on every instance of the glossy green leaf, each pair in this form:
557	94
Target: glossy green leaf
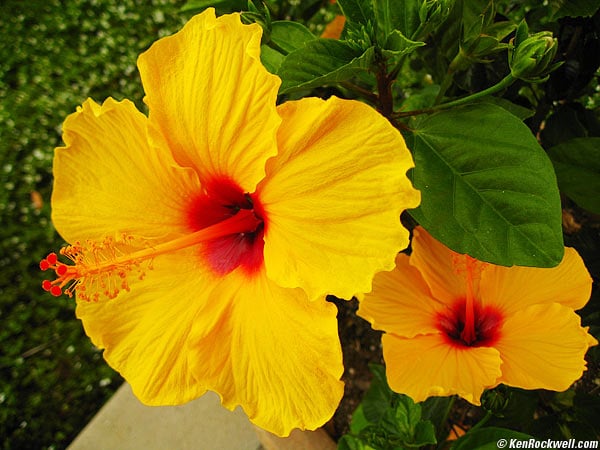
321	62
489	438
290	36
577	166
488	189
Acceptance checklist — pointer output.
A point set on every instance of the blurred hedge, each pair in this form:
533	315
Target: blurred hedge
53	56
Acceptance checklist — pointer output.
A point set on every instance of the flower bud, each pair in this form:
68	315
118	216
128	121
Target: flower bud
434	12
496	400
531	58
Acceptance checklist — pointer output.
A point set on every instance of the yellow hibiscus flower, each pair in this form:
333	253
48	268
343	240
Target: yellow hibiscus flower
206	235
455	325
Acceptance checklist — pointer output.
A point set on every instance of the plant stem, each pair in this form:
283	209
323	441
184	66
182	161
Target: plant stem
384	91
459	62
446	82
482	422
502	84
365	93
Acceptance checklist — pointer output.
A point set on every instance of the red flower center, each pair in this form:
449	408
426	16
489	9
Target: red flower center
470	327
221	200
466	323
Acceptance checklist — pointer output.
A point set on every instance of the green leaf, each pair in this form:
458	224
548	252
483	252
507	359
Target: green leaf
377	399
487	188
397	44
271	58
424	434
574	8
290	36
348	442
401	15
476	16
357	11
490	438
577	166
516	110
320	62
359	421
408	414
435	410
414	431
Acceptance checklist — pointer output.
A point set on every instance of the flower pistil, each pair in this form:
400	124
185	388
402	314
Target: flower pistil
103	263
467	323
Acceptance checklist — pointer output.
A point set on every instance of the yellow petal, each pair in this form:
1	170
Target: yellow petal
400	302
211	98
515	288
108	179
145	332
436	262
426	366
333	197
275	353
543	347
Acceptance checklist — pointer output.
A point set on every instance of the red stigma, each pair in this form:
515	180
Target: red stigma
64	278
56	291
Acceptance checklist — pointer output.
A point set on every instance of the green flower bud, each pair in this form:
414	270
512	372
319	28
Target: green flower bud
435	11
496	400
531	58
431	14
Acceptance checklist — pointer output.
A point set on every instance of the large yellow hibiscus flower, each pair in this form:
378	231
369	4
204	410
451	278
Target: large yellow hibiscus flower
205	236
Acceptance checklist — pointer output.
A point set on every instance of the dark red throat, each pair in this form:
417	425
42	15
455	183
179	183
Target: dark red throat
485	323
221	199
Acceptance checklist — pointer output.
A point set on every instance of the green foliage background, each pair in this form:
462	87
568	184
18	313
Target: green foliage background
53	56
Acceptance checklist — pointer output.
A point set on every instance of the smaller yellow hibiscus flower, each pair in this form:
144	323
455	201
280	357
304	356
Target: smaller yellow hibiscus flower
455	325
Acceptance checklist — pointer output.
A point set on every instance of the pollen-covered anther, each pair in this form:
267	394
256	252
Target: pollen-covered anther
94	271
